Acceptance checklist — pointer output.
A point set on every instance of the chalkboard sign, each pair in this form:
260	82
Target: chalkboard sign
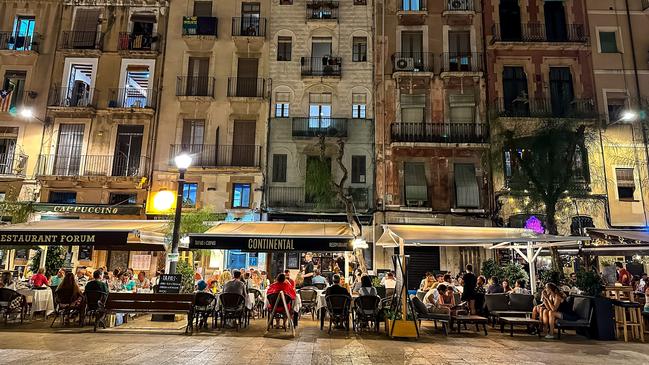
293	259
85	253
170	283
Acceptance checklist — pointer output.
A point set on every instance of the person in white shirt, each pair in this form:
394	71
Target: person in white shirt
389	281
519	288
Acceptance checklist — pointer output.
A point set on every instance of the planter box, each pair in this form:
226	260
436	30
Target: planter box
402	328
603	321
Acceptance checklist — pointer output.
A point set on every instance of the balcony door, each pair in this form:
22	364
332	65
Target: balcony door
515	95
321	49
459	51
128	147
243	143
247	77
23	33
192	141
250	15
319	112
555	21
13	90
67	161
412	46
197	76
510	20
7	153
561	90
317	172
84	29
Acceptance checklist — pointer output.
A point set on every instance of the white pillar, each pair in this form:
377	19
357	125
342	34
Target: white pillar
531	260
43	257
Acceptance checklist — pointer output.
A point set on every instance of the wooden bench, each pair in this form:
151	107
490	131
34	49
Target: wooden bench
147	303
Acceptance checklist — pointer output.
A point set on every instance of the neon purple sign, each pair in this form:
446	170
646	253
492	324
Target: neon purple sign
535	225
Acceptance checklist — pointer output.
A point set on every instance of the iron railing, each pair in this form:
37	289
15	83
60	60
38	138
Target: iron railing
454	132
205	155
319	126
300	198
461	62
80	39
412	5
78	96
195	86
248	27
321	66
249	87
546	108
412	62
459	5
14	42
537	32
13	164
138	42
91	165
322	9
200	26
131	97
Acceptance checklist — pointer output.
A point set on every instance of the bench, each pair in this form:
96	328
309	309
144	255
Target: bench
508	305
147	303
583	308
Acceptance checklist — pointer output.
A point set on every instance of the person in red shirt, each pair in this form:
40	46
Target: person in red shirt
623	275
39	279
281	284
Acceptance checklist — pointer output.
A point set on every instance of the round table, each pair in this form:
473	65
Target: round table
41	300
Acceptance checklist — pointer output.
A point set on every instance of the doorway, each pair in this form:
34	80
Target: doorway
128	146
247	77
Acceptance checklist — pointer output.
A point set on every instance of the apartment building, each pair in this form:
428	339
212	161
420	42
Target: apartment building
322	106
539	69
214	107
432	137
621	76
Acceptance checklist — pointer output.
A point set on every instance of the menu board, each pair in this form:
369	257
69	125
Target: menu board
170	283
141	262
85	253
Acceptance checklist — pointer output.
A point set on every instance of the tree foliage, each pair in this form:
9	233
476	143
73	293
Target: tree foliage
491	268
54	260
186	270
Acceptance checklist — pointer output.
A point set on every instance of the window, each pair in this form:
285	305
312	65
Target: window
279	167
359	102
122	198
13	91
68	150
23	33
284	46
358	170
608	42
625	183
467	194
63	197
416	188
3	196
412	5
413	108
359	49
462	108
77	88
241	196
189	195
360	2
203	8
615	107
282	104
319	110
127	160
193	133
561	91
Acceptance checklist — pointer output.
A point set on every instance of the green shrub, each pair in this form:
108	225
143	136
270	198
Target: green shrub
590	283
491	268
53	262
514	271
187	272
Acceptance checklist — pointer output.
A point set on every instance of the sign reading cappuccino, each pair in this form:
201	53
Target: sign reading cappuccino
63	238
269	244
88	209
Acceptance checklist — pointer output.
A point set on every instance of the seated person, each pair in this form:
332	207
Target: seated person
127	283
142	281
56	279
318	279
281	285
389	281
235	285
519	288
68	291
201	286
366	286
494	286
287	274
447	298
434	303
39	279
336	288
97	284
7	281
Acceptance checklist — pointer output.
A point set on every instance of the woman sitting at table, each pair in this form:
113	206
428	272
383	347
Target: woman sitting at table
556	307
281	285
58	278
68	291
447	298
366	286
39	279
7	281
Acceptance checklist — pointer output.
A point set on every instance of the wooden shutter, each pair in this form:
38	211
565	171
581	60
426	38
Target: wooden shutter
279	167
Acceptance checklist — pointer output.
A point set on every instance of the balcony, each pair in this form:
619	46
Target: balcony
206	26
469	132
91	165
195	86
319	126
246	87
80	40
12	164
297	198
459	6
412	12
77	97
131	97
13	102
413	62
248	27
461	62
322	10
536	32
138	42
546	108
10	41
210	156
327	66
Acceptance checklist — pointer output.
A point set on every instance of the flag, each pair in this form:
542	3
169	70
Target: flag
5	103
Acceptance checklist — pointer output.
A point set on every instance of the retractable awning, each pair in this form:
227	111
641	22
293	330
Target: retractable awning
127	235
623	236
275	237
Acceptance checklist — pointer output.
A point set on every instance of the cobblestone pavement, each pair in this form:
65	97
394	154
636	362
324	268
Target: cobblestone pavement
30	344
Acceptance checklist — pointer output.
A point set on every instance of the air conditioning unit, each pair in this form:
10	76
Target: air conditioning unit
404	64
457	4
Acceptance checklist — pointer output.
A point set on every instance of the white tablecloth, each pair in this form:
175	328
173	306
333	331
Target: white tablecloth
41	300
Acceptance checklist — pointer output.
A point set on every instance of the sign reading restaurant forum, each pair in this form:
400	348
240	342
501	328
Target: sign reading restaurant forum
63	238
269	244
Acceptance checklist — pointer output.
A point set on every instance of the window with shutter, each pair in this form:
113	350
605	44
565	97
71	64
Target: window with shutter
467	193
413	108
284	48
462	108
203	8
625	183
608	42
359	49
279	167
359	105
358	170
416	188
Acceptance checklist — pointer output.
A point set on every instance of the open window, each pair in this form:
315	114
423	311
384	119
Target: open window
78	82
22	37
12	93
467	192
141	35
136	87
415	185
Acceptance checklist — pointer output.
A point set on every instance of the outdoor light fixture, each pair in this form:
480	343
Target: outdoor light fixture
27	113
629	116
163	200
359	243
183	161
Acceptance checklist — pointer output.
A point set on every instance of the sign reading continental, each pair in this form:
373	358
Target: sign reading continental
63	238
269	244
88	209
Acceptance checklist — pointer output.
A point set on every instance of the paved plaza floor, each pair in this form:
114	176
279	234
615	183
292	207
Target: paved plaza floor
36	343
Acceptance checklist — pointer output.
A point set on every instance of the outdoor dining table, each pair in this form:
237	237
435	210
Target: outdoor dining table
41	300
249	300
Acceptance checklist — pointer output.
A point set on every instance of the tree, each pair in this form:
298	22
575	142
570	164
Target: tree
540	169
54	260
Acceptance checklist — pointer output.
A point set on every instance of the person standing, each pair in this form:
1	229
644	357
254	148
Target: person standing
623	275
308	270
470	282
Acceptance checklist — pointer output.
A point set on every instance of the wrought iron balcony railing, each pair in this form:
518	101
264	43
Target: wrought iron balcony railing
300	198
12	41
249	27
205	155
247	87
327	66
319	126
13	164
546	108
412	62
78	96
459	5
80	39
195	86
321	9
138	42
131	97
412	5
200	26
537	32
461	62
467	132
71	164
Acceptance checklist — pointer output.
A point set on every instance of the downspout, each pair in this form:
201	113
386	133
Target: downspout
264	173
490	188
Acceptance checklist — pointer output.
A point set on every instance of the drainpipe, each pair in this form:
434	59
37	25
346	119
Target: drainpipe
264	171
486	73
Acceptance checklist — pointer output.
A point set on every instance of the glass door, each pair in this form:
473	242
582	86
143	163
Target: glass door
67	161
128	146
23	33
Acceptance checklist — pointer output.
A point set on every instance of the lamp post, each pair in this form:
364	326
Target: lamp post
183	161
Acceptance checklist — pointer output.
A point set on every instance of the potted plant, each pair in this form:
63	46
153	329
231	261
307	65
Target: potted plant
380	289
591	285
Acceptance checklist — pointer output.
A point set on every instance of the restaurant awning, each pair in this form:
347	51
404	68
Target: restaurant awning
127	235
623	236
275	236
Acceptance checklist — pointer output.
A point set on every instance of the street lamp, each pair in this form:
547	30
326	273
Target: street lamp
183	161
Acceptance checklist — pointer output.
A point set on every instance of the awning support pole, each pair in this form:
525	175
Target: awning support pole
531	260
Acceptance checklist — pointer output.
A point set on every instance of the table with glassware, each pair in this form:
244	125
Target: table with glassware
39	300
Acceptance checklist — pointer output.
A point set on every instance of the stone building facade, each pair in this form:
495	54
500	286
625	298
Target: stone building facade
431	130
